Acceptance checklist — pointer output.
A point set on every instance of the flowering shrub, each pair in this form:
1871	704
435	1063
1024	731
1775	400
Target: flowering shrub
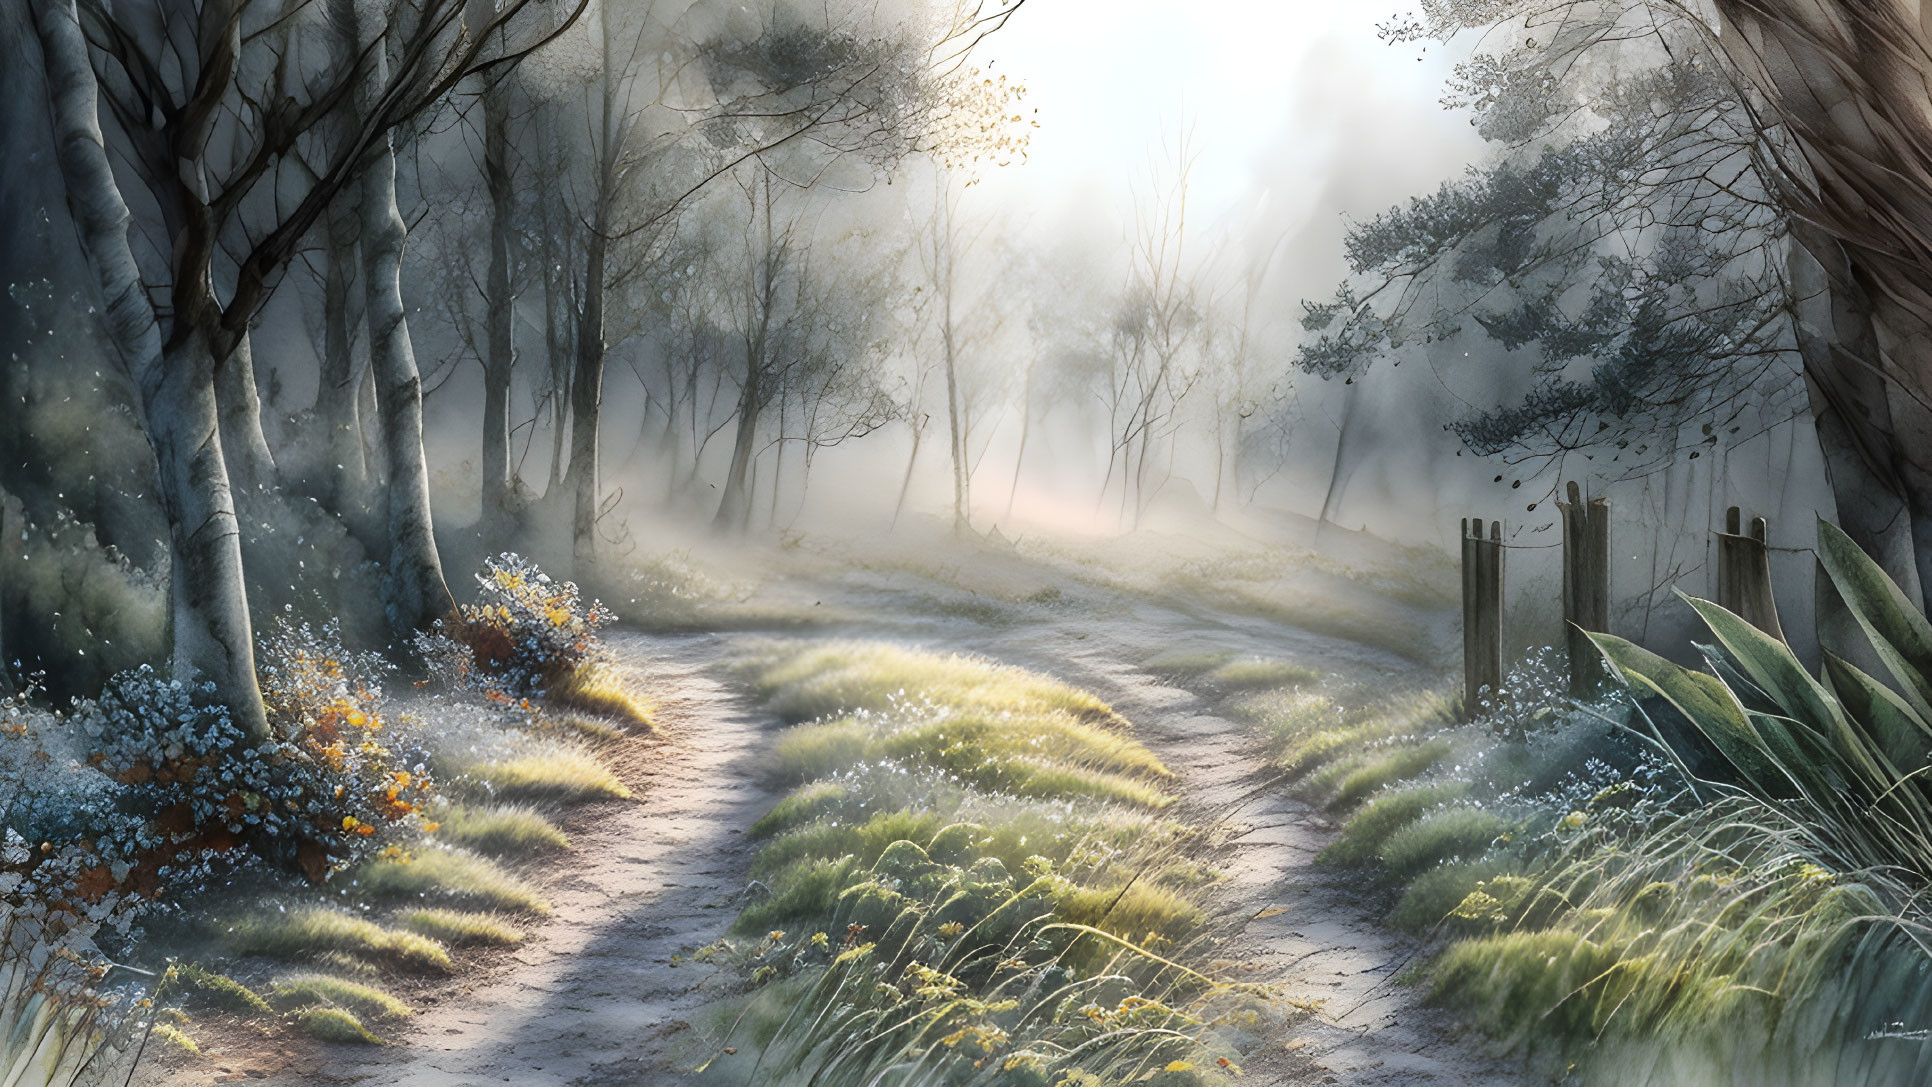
180	792
529	633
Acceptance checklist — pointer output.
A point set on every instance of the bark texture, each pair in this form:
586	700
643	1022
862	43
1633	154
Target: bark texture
1847	82
175	389
415	594
500	354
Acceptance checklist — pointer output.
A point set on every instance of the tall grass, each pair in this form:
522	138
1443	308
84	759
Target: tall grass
967	884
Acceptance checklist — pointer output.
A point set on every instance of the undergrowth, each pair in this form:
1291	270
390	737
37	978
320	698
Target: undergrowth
961	887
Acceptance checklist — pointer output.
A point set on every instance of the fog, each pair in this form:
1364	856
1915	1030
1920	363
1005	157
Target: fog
1044	279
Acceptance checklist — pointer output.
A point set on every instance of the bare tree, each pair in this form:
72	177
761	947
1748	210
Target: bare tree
215	106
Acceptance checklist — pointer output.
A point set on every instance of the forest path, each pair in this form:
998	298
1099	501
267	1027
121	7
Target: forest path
1313	933
593	997
595	1000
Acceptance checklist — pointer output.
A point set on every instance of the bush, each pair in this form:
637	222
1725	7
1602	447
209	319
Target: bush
529	633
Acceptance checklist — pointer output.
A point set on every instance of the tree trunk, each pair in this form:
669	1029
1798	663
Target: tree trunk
586	397
338	392
499	357
1026	427
1846	84
1850	411
213	640
250	465
734	509
905	485
414	592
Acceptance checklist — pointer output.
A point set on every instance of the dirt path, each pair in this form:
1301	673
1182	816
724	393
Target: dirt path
593	997
1285	921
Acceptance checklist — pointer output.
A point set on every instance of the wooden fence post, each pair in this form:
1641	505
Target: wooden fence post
1586	587
1482	612
1744	573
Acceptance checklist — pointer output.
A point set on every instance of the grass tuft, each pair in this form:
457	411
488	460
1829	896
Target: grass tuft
842	677
595	690
455	928
207	988
501	830
1187	663
1459	833
335	1025
314	931
1262	673
309	990
452	876
1370	826
554	772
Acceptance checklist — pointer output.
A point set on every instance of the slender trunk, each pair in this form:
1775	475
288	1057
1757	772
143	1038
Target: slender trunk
339	385
1336	472
499	356
1220	462
415	594
905	485
213	640
1026	428
777	468
586	397
250	465
962	516
734	508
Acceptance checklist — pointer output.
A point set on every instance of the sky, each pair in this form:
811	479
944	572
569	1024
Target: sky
1284	98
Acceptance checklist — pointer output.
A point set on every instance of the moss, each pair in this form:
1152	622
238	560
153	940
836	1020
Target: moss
501	830
451	876
335	1025
177	1038
308	933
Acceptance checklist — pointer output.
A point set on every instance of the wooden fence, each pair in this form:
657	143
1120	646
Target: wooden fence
1743	587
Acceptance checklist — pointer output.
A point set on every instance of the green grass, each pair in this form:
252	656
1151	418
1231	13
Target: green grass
595	690
447	875
551	772
1187	663
364	1001
1457	833
335	1025
313	931
1436	893
455	928
842	677
1383	768
501	830
1027	754
1259	673
209	989
1370	826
